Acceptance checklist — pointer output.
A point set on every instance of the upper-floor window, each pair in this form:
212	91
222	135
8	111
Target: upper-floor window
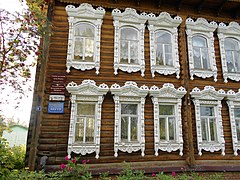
232	50
129	45
229	43
129	29
163	35
129	131
85	122
84	42
163	48
167	118
84	37
233	101
201	53
208	117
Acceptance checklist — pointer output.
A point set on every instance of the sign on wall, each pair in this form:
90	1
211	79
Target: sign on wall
56	107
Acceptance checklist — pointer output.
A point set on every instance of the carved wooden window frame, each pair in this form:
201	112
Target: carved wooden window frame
170	96
209	97
86	92
132	94
129	19
204	29
85	13
164	22
230	31
233	101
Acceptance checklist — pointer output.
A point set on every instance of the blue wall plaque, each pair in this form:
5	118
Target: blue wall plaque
56	107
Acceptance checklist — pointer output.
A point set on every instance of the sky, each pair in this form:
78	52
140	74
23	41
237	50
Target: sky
22	113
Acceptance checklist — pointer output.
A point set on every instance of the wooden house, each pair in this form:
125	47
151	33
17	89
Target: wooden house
154	83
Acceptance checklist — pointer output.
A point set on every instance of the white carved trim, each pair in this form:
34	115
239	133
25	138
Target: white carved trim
87	91
168	94
164	22
230	31
233	101
87	14
129	18
209	96
202	28
129	93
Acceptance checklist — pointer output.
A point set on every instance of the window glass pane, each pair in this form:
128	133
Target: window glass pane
124	129
163	37
229	59
204	129
78	48
84	29
162	126
134	52
166	109
79	131
238	129
169	61
86	109
237	112
129	34
213	130
124	51
90	130
237	60
205	59
197	57
89	45
159	54
199	41
134	129
231	44
207	111
129	109
171	128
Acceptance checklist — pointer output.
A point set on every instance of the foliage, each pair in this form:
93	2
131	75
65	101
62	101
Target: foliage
73	171
10	158
130	174
20	34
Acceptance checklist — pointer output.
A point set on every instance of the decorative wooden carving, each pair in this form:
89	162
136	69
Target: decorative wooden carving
129	18
170	96
132	94
209	96
204	29
85	13
88	91
230	31
164	22
233	101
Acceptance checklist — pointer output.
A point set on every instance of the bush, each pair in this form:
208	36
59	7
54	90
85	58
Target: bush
10	158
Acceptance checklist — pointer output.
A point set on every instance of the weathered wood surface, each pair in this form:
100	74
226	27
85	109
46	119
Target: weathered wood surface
53	134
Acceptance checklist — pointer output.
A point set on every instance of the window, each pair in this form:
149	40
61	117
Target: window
85	122
129	41
167	118
201	52
233	101
163	35
229	42
209	119
208	123
129	117
84	37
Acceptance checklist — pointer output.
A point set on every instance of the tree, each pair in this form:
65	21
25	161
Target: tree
20	35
